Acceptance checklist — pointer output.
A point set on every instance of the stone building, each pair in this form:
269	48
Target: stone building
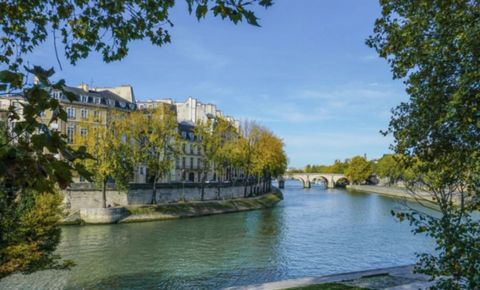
97	104
91	105
188	166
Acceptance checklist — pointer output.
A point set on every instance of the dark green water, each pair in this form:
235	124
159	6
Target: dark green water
312	232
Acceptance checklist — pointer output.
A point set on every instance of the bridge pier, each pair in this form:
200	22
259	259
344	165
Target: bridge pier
307	184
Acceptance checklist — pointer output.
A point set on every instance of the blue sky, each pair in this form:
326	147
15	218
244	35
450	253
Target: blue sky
306	74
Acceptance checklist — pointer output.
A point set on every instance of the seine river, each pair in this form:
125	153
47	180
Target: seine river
312	232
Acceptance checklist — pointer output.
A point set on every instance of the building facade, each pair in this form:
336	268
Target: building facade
96	106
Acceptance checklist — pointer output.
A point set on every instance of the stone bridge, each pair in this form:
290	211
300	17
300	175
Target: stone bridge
331	180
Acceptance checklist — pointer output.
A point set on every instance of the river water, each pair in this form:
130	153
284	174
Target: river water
312	232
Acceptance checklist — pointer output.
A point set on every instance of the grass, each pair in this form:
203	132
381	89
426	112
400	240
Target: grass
184	209
327	286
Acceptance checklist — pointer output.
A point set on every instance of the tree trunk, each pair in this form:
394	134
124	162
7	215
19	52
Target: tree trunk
104	193
154	190
245	183
204	177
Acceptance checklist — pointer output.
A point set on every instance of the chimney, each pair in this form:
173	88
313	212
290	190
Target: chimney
84	87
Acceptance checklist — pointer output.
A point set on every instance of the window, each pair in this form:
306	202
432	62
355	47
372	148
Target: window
84	113
184	135
82	179
183	162
84	98
57	95
96	115
177	162
71	112
42	114
83	132
141	170
191	136
184	148
70	133
191	149
191	162
111	103
97	100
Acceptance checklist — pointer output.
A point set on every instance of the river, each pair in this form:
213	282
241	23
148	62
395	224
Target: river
312	232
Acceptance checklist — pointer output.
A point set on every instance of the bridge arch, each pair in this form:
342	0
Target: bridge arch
330	179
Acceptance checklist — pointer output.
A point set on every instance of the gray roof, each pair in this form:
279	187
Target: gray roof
104	96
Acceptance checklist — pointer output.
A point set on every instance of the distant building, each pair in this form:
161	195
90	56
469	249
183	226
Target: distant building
191	111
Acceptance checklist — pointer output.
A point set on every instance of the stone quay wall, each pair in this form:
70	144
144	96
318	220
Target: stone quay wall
89	196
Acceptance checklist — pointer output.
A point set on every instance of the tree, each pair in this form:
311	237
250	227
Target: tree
106	143
391	167
35	162
153	136
269	158
433	47
106	27
244	149
358	170
211	136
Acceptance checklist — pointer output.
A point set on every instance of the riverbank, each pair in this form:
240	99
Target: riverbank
169	211
392	278
396	192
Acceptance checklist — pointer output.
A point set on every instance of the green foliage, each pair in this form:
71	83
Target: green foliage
106	27
433	46
338	167
358	170
391	167
31	234
35	162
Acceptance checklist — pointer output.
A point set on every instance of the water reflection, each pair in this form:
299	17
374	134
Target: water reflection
313	231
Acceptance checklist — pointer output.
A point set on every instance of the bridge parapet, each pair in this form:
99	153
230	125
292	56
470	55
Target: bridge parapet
330	179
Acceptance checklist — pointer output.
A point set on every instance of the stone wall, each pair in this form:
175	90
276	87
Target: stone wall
87	196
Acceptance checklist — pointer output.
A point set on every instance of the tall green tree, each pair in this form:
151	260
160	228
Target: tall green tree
153	137
433	46
391	167
358	170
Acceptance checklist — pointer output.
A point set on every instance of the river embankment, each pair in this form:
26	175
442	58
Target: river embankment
395	192
169	211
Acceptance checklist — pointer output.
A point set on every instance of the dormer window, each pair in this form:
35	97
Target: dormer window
122	104
111	103
184	135
191	136
97	100
84	98
57	95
